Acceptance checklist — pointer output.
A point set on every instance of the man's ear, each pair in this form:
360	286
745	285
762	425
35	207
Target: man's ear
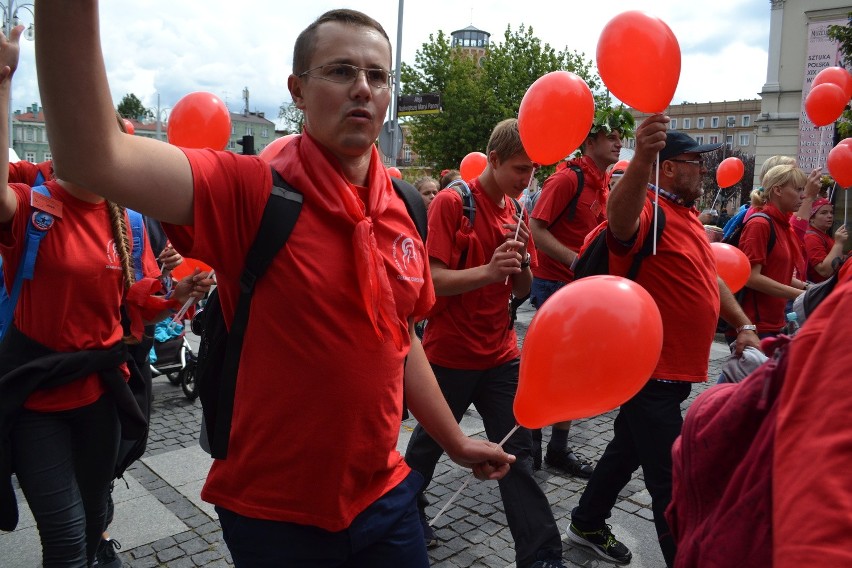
493	159
294	84
667	168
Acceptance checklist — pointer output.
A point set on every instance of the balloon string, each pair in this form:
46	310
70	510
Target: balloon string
656	203
845	205
518	226
819	152
831	191
467	481
713	205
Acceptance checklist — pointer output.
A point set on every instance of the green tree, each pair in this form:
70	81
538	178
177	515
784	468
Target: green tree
294	119
474	97
843	35
131	107
739	193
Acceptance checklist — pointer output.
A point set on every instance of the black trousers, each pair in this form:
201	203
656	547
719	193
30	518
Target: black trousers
643	434
492	392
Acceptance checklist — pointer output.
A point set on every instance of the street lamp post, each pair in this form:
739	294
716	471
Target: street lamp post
161	111
10	20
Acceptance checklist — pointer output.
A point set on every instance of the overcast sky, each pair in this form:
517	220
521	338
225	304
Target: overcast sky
174	47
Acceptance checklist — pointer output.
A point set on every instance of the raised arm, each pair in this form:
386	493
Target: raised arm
9	51
625	204
149	176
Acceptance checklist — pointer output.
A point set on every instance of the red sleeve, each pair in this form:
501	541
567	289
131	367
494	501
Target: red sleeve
445	214
800	226
754	240
556	193
814	249
22	172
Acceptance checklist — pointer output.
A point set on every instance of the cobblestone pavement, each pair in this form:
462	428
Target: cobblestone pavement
472	532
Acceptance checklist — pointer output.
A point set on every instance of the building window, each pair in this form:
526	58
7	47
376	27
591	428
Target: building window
744	139
264	132
19	133
30	157
699	139
687	123
406	153
732	120
714	140
714	122
232	145
631	143
48	156
233	128
729	141
29	134
700	122
746	120
673	124
249	131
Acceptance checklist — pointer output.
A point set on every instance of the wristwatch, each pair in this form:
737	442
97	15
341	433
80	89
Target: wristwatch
749	327
526	262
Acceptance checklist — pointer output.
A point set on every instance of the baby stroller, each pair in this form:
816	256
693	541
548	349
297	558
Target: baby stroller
172	356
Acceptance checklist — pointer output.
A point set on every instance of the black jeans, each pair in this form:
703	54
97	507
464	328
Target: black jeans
643	434
64	462
492	392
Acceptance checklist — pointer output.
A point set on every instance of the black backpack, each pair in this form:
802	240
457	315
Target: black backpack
571	208
594	257
220	349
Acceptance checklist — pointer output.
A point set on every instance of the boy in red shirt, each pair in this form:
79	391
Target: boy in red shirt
470	341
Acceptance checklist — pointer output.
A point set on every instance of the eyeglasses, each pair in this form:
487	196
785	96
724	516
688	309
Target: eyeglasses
699	162
346	74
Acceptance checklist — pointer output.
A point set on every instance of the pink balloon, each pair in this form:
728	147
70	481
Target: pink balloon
275	146
555	116
837	75
638	58
839	164
825	104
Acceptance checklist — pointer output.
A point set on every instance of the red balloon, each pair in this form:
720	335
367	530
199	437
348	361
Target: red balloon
589	348
846	142
200	120
638	58
839	164
837	75
394	172
128	126
555	116
729	172
732	265
825	103
275	146
472	165
187	267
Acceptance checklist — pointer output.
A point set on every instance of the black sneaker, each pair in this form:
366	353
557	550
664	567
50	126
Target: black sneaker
549	562
106	556
566	461
428	534
601	542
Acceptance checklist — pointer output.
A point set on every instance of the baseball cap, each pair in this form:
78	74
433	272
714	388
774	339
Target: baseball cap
819	203
678	143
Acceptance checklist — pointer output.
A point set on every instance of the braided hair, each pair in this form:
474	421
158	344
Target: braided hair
118	221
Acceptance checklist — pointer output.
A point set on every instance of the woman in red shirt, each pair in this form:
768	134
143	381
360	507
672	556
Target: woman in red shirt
820	247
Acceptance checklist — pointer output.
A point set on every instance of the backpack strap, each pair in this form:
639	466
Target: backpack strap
37	226
571	208
468	202
279	217
137	232
771	243
647	245
413	204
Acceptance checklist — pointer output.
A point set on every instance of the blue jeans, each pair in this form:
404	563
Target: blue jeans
385	535
64	462
542	289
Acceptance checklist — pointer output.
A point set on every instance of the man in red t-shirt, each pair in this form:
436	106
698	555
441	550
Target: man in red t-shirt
470	341
560	222
293	491
683	282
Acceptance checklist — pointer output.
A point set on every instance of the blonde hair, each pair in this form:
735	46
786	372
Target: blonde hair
505	140
778	176
773	161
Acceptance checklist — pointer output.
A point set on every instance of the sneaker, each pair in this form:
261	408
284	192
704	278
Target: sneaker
428	534
553	562
565	460
601	542
106	556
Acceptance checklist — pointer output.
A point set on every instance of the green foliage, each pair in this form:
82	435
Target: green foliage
843	34
739	193
474	97
131	107
610	119
294	118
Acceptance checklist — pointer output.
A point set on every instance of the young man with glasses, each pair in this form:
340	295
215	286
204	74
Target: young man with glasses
312	476
682	279
560	222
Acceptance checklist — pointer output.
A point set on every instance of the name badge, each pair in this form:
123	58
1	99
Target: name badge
46	204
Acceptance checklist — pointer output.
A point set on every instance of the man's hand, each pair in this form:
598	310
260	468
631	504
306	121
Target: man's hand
169	258
9	52
506	261
195	285
746	338
650	139
841	234
486	459
813	185
523	233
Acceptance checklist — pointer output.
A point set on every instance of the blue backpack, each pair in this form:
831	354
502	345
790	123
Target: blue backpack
37	226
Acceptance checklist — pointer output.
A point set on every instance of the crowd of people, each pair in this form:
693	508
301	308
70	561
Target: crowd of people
293	491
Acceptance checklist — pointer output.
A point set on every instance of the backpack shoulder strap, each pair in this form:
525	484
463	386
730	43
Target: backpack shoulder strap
468	202
37	226
279	217
571	209
647	244
413	204
137	232
771	243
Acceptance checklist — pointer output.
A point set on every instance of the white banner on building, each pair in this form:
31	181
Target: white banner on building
814	143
